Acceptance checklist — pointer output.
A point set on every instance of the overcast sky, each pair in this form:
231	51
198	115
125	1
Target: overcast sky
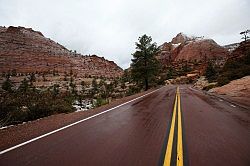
110	28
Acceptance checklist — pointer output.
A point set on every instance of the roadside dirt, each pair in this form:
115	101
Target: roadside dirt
237	90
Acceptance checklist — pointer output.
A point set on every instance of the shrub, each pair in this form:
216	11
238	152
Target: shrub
100	101
211	86
30	105
7	85
132	90
223	80
234	69
210	73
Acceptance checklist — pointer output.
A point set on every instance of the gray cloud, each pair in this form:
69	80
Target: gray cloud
110	28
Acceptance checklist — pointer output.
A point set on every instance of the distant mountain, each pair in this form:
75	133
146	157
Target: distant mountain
240	50
237	64
201	50
187	48
232	47
180	38
24	50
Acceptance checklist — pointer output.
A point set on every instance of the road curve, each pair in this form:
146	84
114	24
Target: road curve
212	133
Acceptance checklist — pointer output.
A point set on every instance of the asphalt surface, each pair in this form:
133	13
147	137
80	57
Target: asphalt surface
214	132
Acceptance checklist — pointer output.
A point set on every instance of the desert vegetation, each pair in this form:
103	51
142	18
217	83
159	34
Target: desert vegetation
234	68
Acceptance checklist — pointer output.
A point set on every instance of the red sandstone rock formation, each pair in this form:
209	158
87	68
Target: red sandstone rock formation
201	50
191	49
180	38
242	49
25	51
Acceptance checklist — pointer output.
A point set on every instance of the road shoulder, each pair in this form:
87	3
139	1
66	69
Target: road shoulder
17	134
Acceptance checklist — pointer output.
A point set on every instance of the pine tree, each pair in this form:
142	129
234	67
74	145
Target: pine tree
145	66
56	89
245	35
83	86
210	72
7	85
94	87
24	86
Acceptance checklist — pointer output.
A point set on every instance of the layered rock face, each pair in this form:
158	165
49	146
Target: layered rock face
183	48
180	38
201	50
27	51
231	47
241	50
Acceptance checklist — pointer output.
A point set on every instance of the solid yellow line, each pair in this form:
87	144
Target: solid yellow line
167	158
179	138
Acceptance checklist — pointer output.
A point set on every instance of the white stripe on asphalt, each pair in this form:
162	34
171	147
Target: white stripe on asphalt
52	132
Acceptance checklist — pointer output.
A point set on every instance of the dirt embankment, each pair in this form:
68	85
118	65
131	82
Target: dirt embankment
237	90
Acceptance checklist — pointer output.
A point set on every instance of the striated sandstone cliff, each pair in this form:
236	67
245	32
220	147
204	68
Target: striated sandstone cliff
201	50
27	51
183	48
180	38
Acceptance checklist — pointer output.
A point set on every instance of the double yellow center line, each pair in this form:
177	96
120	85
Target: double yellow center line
179	156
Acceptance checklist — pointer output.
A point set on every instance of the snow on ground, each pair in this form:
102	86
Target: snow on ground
83	106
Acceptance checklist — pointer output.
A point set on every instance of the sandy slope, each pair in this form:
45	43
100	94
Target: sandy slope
238	90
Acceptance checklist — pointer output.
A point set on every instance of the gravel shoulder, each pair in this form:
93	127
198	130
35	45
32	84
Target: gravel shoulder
17	134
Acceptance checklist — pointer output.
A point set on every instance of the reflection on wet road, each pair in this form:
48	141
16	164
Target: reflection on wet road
168	127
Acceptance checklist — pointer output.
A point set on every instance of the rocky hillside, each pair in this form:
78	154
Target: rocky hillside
238	90
180	38
184	48
231	47
23	50
201	50
241	49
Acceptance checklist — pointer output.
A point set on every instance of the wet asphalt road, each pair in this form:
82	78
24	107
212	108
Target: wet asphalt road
214	133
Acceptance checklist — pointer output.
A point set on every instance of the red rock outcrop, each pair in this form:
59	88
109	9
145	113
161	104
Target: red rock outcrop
25	51
165	54
180	38
201	50
231	47
242	49
183	48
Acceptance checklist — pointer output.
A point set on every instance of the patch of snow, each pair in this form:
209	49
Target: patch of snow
83	106
176	45
5	127
79	108
232	47
233	105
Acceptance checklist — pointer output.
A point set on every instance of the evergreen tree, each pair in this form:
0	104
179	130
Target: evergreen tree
56	89
210	72
245	35
94	87
170	72
103	87
145	66
83	86
7	85
32	79
186	68
24	86
126	76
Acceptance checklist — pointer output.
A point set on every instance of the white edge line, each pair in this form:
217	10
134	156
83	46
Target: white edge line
72	124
